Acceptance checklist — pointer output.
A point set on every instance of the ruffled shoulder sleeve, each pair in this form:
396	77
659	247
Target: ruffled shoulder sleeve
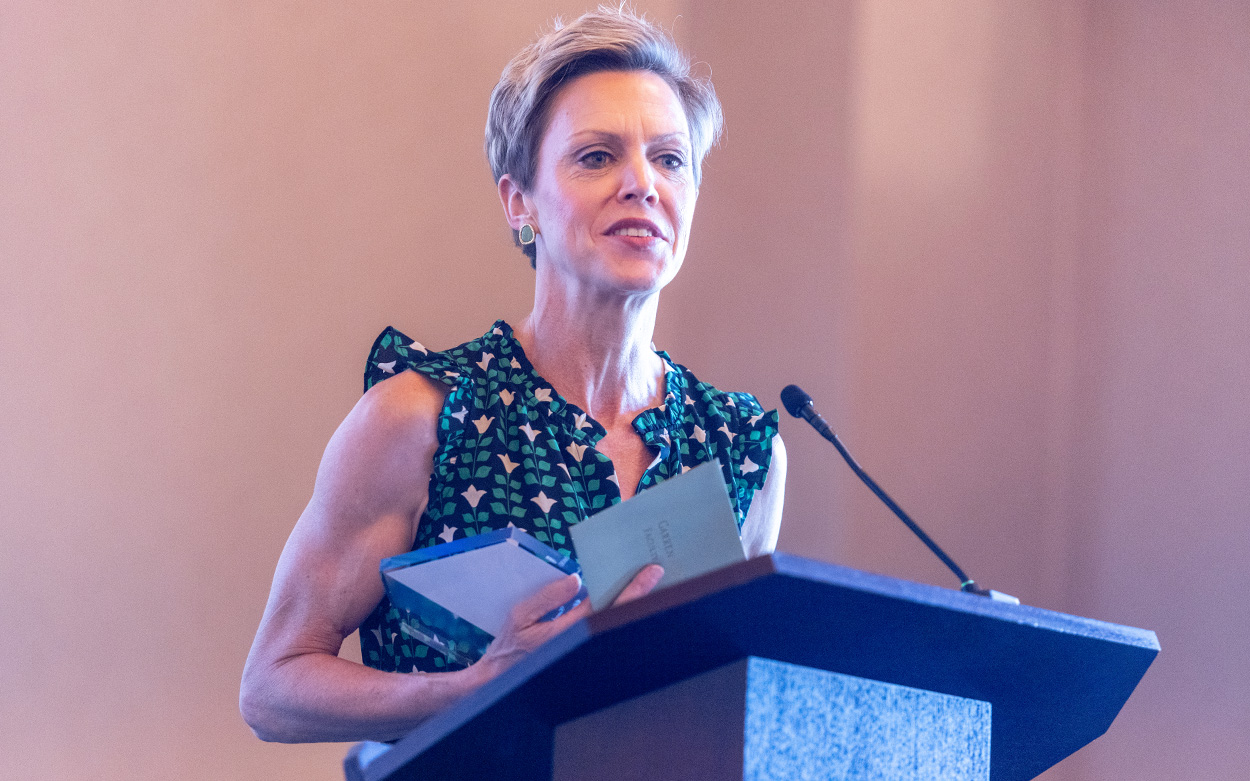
753	431
393	353
740	433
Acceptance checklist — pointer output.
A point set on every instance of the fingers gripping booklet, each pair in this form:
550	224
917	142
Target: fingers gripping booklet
461	593
684	524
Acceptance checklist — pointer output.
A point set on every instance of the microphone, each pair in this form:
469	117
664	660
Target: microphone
799	404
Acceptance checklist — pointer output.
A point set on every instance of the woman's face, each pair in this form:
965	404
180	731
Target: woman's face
614	190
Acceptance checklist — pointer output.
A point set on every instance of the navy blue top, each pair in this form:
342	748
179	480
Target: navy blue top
512	452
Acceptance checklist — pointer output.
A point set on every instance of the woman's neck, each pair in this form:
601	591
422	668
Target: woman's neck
597	355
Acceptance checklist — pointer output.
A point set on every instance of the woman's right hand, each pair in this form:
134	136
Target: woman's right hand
525	630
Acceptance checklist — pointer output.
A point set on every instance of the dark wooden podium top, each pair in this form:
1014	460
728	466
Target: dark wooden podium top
1055	682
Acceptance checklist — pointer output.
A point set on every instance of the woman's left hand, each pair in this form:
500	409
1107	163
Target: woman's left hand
643	583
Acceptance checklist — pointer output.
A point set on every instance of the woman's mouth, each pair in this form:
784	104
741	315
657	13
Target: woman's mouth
635	229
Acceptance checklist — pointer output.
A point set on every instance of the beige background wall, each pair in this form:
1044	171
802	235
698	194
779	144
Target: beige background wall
1005	244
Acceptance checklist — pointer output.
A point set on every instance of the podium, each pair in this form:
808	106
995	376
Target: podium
782	667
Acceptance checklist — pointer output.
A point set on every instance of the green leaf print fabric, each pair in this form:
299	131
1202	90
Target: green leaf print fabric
512	452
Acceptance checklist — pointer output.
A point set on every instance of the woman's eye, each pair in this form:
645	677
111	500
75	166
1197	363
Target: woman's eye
671	161
596	159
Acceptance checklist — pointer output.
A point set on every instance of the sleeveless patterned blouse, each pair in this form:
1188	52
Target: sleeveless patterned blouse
512	452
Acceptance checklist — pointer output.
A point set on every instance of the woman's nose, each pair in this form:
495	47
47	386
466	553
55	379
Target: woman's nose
638	181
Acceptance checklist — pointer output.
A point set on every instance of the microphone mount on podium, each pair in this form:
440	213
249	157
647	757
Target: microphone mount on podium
799	404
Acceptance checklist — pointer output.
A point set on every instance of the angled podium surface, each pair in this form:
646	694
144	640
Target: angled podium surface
931	664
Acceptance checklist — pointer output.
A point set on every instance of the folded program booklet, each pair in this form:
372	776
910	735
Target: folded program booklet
685	524
459	594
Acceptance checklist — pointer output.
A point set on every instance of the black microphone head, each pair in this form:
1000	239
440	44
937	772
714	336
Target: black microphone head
795	399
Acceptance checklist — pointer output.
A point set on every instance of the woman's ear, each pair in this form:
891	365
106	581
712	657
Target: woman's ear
517	208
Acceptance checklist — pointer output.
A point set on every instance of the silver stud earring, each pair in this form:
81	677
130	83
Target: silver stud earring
527	234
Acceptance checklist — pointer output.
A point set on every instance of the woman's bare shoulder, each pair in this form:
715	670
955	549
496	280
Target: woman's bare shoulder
408	397
382	454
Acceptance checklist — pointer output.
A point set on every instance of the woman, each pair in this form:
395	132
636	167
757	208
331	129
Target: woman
596	134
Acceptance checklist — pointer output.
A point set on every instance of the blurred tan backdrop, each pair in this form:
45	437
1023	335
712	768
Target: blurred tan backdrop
1006	244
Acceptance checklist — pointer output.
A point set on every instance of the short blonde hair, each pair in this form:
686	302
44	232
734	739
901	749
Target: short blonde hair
609	39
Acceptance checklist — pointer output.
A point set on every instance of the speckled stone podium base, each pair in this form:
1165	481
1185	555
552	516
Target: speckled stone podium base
762	720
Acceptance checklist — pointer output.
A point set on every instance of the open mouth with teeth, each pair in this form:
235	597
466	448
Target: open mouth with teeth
640	233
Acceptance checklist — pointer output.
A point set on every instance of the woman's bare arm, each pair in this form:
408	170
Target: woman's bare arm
763	523
370	492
